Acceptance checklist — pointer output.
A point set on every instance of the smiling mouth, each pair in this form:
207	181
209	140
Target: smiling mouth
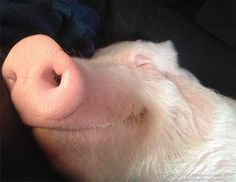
131	119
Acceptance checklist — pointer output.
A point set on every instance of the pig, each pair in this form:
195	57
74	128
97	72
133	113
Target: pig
129	113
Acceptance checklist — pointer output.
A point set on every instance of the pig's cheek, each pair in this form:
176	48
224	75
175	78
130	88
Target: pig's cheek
202	101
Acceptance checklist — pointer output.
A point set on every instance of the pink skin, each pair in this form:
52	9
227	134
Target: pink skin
30	72
113	117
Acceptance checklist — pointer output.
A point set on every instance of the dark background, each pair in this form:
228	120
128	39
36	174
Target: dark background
203	31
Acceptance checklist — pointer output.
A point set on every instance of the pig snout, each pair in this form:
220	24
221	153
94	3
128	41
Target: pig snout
49	89
44	82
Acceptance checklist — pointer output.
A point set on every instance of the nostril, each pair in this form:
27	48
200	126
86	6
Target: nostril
11	79
57	78
51	78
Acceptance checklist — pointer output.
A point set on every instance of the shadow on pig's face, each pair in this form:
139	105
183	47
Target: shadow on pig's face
21	158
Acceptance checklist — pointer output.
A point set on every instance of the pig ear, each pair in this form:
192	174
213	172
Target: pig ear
165	58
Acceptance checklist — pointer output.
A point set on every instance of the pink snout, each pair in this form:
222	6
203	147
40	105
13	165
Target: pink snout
51	90
43	80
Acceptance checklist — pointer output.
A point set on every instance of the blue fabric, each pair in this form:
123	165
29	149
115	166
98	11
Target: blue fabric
72	24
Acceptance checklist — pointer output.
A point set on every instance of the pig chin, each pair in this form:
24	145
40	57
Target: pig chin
96	153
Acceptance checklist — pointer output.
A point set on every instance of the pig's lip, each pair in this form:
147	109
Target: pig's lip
133	117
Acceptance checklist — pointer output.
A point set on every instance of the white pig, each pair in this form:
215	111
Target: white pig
129	113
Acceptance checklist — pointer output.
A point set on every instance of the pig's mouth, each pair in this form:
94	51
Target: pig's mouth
133	118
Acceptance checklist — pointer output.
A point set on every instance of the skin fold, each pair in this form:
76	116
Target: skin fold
129	113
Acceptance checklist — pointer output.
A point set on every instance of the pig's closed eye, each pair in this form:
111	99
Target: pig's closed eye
145	64
141	60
